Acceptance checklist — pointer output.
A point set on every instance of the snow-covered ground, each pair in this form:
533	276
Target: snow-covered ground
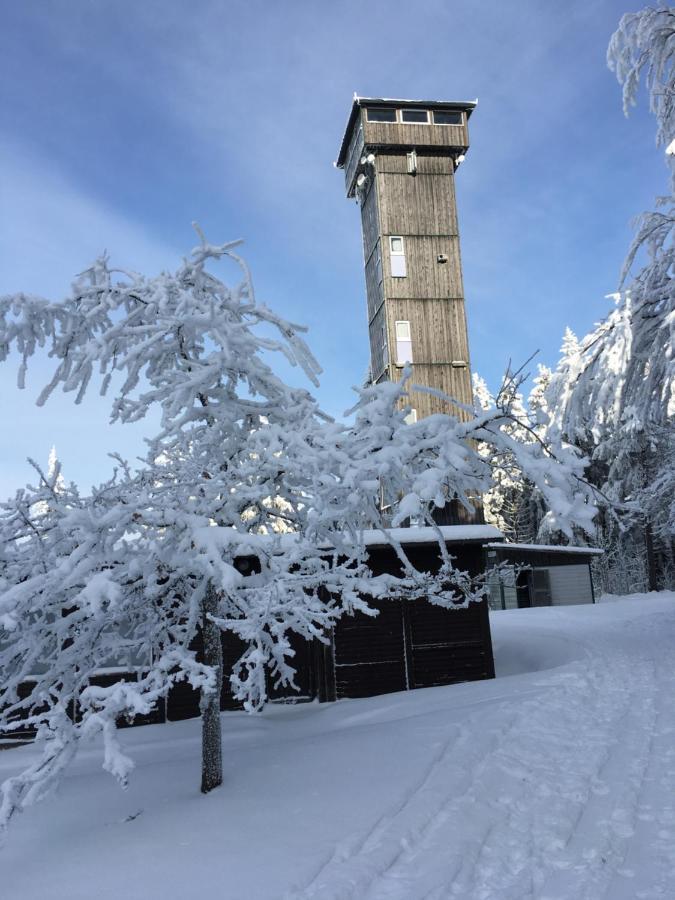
556	780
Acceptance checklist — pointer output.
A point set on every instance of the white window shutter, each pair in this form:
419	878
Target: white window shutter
397	257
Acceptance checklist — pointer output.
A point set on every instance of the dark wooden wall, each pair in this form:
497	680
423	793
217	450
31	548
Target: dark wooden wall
183	701
412	644
540	557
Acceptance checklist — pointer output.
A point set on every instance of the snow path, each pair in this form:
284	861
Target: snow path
551	805
554	781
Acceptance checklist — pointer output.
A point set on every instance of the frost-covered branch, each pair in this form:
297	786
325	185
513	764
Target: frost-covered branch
243	466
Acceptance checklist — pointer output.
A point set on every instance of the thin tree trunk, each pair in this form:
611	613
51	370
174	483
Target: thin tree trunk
651	559
212	755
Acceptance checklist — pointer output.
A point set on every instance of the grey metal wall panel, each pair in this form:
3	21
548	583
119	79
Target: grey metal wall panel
570	585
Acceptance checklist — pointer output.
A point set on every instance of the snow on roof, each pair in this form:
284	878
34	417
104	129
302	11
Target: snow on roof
375	537
429	535
548	548
403	101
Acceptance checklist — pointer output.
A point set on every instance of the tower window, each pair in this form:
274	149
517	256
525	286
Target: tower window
397	257
414	115
403	344
448	117
381	114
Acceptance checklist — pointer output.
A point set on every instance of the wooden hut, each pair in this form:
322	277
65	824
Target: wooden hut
540	575
414	643
409	644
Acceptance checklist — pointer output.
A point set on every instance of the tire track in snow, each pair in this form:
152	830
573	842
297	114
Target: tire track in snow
353	867
346	850
533	817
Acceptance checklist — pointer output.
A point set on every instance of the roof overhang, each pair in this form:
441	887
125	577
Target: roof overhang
466	106
508	549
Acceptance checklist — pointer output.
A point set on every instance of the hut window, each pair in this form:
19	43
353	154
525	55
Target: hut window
414	115
447	117
403	344
412	162
381	114
397	257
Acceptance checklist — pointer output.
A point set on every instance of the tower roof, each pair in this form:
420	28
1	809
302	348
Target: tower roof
466	106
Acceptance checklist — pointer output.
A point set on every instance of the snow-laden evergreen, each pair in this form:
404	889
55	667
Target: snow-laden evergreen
512	503
643	46
612	394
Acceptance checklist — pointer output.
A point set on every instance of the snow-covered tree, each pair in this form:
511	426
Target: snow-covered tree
613	392
243	464
537	403
53	472
157	569
511	503
644	46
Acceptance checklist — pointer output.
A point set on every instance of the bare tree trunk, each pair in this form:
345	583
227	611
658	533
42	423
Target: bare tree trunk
212	755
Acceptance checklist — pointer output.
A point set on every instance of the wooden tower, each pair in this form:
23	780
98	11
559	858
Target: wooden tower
399	158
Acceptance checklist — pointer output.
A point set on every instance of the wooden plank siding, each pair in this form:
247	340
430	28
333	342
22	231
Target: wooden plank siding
438	328
421	208
438	332
362	136
370	220
379	350
413	644
452	382
421	204
419	136
426	276
369	652
447	646
354	154
183	700
374	287
410	644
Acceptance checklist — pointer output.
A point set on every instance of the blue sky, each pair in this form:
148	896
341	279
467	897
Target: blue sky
122	122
